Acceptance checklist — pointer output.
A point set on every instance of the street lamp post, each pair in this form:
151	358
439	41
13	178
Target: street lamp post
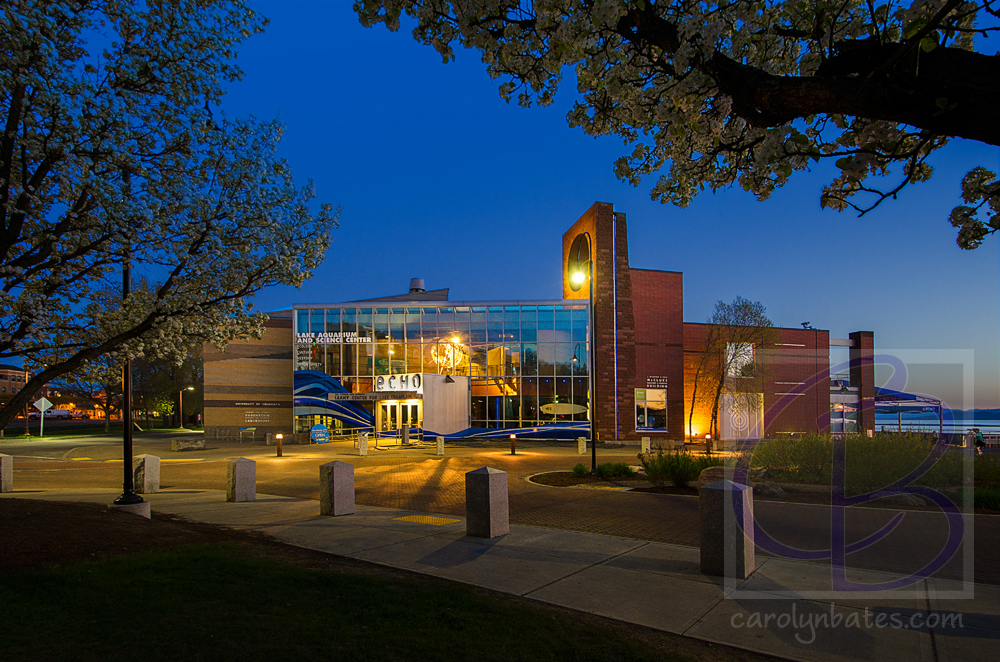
128	496
577	278
180	405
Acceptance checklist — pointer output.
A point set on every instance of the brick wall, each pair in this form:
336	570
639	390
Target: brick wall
797	390
863	376
658	306
250	384
614	323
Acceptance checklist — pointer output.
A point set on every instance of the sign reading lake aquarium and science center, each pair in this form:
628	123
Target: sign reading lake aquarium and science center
332	338
409	382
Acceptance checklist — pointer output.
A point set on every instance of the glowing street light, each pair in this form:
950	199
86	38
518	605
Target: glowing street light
582	268
180	409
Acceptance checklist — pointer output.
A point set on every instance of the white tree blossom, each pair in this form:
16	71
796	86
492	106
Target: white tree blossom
111	155
722	92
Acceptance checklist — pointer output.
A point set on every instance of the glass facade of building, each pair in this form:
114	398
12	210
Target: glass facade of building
527	361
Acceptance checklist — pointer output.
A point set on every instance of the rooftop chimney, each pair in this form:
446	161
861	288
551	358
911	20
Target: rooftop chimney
416	285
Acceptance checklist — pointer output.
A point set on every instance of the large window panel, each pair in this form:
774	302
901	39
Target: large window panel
366	359
333	359
546	358
349	361
512	323
529	359
316	322
414	355
365	329
494	324
564	358
428	319
349	320
478	360
563	324
413	324
529	324
333	320
581	322
381	358
397	323
477	330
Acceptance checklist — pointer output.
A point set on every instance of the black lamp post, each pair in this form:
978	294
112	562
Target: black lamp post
128	496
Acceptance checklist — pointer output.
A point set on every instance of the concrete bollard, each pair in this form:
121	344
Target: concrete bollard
336	488
241	480
6	473
581	445
440	446
645	444
363	444
487	514
404	435
725	509
187	444
146	474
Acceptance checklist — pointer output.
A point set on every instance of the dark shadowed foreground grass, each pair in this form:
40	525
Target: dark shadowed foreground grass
213	602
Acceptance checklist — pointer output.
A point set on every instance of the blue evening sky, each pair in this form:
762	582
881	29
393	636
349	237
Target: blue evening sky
440	179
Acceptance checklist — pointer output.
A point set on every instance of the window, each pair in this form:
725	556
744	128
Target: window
739	359
651	409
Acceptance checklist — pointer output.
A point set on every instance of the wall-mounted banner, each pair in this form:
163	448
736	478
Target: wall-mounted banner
409	382
332	338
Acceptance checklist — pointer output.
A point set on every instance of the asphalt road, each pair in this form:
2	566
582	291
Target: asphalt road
419	480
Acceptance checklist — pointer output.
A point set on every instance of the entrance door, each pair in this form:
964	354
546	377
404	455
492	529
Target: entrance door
394	415
409	414
389	416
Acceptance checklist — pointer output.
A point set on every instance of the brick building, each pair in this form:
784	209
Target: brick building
644	344
421	362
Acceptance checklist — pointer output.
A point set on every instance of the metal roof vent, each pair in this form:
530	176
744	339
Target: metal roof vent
416	285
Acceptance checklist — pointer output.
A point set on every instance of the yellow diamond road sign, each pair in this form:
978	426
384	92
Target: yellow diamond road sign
42	404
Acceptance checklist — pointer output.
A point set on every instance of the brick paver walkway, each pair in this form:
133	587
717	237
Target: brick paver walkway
423	482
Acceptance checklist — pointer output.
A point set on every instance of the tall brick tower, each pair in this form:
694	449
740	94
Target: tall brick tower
599	239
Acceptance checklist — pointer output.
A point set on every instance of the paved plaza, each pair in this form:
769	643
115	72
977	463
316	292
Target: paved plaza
629	556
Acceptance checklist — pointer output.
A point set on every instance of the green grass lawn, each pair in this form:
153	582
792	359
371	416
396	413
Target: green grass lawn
214	602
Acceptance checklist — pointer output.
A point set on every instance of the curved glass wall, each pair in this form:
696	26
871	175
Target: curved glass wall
527	363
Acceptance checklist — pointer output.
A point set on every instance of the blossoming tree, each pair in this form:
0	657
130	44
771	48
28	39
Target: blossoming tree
110	158
709	94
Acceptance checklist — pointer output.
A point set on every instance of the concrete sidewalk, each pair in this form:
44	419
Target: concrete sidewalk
650	584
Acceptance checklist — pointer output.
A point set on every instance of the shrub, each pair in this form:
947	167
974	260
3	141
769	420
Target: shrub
581	471
988	498
987	471
982	497
614	470
877	462
807	458
678	467
872	463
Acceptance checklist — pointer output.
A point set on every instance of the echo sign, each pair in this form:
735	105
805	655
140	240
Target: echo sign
408	382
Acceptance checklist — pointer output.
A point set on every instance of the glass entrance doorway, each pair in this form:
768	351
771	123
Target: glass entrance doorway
393	415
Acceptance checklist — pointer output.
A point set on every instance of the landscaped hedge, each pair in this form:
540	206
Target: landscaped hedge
676	467
871	463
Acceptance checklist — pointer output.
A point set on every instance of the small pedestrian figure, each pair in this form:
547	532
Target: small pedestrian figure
980	442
